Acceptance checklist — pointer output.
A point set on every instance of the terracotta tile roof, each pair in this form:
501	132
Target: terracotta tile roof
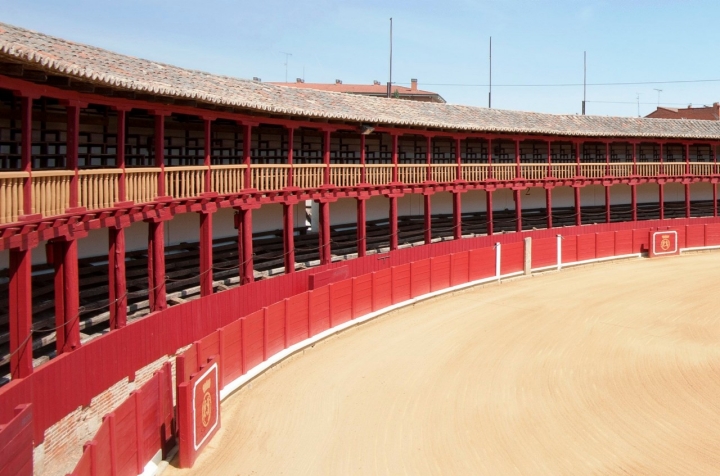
368	89
705	113
110	69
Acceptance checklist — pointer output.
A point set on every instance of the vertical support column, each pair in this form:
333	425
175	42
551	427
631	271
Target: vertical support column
394	156
26	104
518	170
326	156
633	202
245	245
361	227
427	223
289	237
247	155
156	265
518	211
715	206
20	313
687	201
489	211
363	158
120	155
71	298
160	151
206	252
548	206
116	277
428	158
73	135
607	204
457	215
393	223
458	159
207	123
291	143
56	251
578	206
325	250
661	199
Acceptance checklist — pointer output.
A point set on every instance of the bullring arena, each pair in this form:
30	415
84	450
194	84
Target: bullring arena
368	285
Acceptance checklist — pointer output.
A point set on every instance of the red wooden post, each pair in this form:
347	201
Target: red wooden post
489	208
394	156
325	250
289	237
73	131
548	206
518	170
427	206
578	207
116	275
20	313
458	159
428	159
361	227
715	207
206	252
245	243
290	181
661	199
26	104
247	155
120	155
633	202
207	160
363	172
156	265
56	250
160	151
71	289
578	170
549	153
457	215
687	200
518	211
393	222
607	204
326	156
634	158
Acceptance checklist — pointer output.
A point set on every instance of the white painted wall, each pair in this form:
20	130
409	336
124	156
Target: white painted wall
563	197
592	196
441	203
647	193
701	191
533	197
474	201
411	204
503	200
620	195
674	192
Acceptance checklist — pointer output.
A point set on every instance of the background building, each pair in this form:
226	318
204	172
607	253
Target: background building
705	113
376	89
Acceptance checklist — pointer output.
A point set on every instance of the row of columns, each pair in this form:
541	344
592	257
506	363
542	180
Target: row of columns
63	254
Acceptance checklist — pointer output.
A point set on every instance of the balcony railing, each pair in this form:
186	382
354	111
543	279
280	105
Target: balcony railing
101	188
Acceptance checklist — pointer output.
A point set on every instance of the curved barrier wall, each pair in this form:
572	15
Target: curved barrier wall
248	325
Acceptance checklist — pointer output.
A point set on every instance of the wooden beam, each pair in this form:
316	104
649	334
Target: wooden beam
58	81
11	69
82	87
35	76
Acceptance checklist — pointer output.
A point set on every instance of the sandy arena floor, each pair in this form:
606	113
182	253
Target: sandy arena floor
609	369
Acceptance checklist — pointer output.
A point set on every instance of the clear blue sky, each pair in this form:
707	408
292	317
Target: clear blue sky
442	44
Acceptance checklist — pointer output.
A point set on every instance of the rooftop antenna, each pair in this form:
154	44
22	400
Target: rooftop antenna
638	103
287	56
584	81
658	91
490	91
389	86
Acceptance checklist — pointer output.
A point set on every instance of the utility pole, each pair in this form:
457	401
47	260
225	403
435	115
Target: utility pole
584	81
389	86
490	83
287	56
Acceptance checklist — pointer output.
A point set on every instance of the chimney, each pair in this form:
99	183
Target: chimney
338	81
413	85
299	80
716	110
376	82
255	78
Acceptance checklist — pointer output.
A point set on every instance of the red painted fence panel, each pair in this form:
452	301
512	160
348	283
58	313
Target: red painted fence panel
586	247
605	244
382	289
319	310
362	295
623	242
274	328
439	272
482	263
103	450
126	438
569	249
298	318
512	258
252	339
401	285
419	278
16	443
231	351
340	302
459	268
712	234
544	252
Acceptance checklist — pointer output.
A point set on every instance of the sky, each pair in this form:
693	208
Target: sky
444	44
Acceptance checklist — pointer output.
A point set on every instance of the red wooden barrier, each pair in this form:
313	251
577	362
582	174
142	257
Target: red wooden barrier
362	295
544	252
252	339
439	272
341	301
420	277
382	289
482	263
512	258
274	329
401	283
459	268
16	445
298	315
319	310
